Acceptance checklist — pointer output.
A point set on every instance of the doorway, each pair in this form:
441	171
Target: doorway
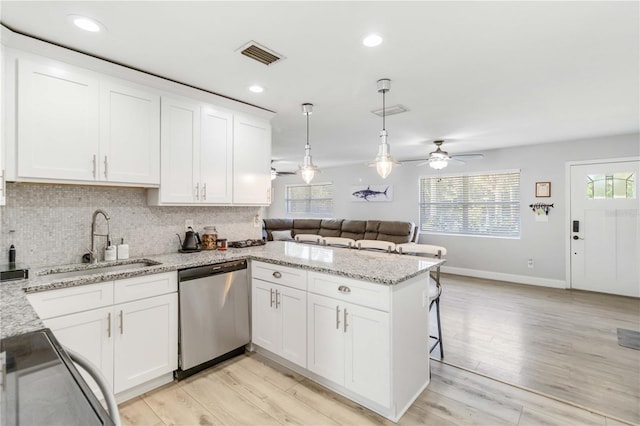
605	227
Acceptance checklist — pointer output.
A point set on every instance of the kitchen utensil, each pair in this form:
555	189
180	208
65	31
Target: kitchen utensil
191	241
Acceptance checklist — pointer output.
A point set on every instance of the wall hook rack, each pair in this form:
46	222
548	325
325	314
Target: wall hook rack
541	206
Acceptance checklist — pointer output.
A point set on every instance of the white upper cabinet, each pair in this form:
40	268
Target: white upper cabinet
75	125
58	125
129	134
197	156
251	161
215	157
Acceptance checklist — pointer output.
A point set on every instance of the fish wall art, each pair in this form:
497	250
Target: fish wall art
371	193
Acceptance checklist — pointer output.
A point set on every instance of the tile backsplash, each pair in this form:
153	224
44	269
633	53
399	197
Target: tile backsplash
51	224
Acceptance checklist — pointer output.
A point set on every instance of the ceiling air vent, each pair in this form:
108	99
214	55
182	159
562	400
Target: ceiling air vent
260	53
391	110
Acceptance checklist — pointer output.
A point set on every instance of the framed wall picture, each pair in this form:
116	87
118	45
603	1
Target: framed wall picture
543	189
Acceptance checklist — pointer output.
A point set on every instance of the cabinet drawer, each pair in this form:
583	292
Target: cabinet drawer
284	275
353	291
53	303
145	286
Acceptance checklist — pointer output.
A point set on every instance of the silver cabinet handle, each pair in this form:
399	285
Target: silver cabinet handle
121	323
344	289
198	191
204	191
94	166
345	320
337	317
109	325
277	274
106	167
277	299
271	298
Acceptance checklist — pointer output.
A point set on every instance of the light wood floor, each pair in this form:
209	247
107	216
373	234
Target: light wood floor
249	390
559	342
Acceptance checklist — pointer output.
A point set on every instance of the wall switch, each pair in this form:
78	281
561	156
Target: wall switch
188	223
530	263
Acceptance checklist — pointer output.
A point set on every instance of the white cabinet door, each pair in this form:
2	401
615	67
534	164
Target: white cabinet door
367	353
58	122
264	317
146	340
251	161
180	135
291	305
90	334
325	337
129	135
215	159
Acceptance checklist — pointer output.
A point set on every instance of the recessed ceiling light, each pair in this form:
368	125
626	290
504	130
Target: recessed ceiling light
256	89
86	24
372	40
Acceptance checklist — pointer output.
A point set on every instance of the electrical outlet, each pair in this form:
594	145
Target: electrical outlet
530	263
188	223
256	221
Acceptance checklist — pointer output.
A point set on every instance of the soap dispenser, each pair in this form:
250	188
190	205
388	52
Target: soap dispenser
123	250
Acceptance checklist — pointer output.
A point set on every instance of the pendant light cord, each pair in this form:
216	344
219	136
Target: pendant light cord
383	110
307	114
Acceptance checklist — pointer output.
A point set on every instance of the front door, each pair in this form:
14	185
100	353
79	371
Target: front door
605	228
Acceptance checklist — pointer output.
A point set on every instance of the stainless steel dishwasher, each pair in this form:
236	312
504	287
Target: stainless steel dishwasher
214	315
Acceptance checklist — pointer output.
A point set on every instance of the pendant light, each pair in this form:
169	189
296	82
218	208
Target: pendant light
307	170
383	162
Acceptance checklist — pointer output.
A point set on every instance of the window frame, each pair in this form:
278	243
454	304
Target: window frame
517	203
308	213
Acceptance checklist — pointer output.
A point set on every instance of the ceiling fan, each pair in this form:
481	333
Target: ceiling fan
440	159
275	173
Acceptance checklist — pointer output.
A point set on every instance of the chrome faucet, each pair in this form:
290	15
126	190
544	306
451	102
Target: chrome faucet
93	254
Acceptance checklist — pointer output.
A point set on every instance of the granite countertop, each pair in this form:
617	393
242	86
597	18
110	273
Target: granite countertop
17	316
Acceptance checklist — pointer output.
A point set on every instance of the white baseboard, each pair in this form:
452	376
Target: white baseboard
499	276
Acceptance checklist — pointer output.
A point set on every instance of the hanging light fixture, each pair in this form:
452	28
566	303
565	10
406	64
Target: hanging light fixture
307	170
383	162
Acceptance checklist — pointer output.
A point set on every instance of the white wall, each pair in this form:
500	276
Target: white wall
496	258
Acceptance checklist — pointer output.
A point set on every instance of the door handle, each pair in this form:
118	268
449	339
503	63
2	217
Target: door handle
106	167
277	274
575	237
271	298
344	289
345	320
109	325
198	191
94	166
121	323
277	299
204	191
337	317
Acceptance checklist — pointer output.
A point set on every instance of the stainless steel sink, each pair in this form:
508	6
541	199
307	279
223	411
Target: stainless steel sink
97	269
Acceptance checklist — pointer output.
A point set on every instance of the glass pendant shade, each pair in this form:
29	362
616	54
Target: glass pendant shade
307	169
384	162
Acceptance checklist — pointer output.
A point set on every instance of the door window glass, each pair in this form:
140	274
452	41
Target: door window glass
611	185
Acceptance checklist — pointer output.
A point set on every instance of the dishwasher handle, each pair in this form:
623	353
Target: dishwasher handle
209	270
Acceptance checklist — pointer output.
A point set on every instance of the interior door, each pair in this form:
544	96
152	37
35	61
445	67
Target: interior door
605	228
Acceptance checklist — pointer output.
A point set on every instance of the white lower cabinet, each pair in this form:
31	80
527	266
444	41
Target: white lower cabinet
279	319
349	345
132	342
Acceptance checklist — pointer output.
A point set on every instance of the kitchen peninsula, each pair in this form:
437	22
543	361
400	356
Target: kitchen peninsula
366	313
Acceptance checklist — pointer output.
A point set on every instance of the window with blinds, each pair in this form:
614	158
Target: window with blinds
483	204
316	199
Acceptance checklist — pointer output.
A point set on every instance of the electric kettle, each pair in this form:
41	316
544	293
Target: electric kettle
191	241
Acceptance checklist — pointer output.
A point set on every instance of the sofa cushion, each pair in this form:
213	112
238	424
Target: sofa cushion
371	230
284	235
276	225
353	229
330	227
306	226
394	231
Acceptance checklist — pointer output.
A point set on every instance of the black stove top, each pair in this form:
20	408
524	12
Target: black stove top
246	243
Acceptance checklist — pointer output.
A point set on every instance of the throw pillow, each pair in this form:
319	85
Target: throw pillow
282	235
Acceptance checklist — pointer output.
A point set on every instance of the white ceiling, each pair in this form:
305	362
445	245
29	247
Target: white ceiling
481	75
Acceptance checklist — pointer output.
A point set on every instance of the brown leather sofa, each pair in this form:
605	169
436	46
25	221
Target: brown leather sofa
383	230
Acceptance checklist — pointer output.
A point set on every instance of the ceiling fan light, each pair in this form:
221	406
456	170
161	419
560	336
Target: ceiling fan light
438	163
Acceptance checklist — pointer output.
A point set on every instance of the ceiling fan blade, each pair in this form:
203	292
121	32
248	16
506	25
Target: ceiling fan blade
457	161
413	159
423	163
285	173
468	156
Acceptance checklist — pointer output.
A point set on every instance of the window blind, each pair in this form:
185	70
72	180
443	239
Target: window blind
479	204
309	199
